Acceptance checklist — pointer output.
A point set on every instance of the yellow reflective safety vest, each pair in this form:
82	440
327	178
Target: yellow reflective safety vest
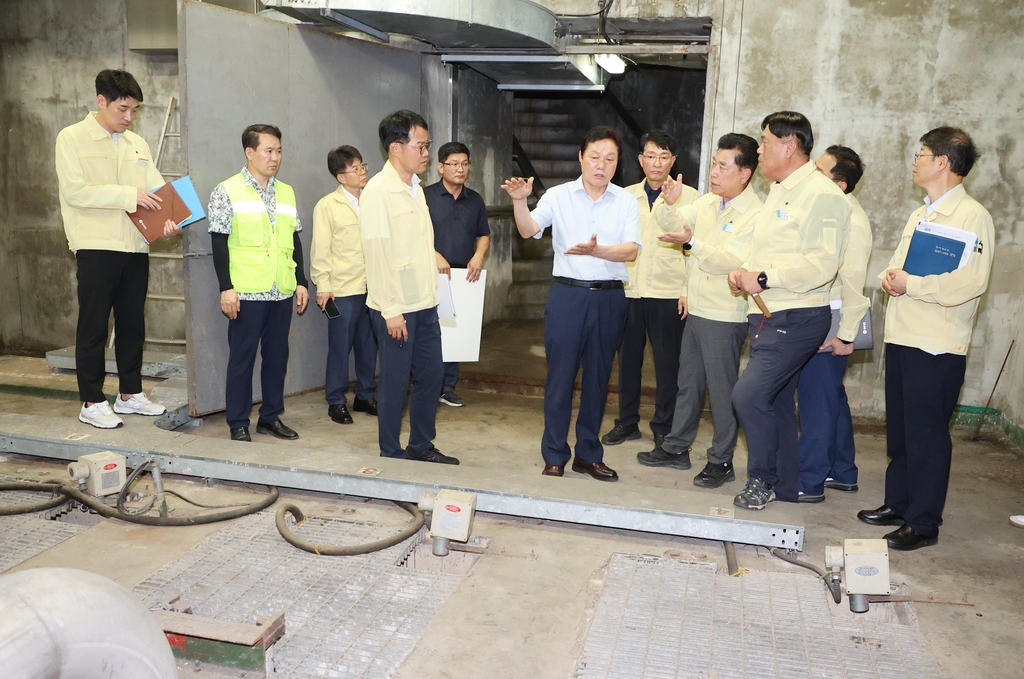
260	253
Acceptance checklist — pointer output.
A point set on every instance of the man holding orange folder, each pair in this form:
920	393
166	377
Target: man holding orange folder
104	172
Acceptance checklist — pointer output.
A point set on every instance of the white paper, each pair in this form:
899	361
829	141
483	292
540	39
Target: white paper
460	335
968	238
445	304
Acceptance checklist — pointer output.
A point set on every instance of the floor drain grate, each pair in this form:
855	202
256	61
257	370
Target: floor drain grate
27	535
664	619
357	616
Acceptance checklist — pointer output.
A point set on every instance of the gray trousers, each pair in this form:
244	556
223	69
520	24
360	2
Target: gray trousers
709	359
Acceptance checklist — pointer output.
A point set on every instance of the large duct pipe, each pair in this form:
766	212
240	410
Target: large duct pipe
62	623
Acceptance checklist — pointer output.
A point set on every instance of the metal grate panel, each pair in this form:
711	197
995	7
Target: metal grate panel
666	619
26	535
357	616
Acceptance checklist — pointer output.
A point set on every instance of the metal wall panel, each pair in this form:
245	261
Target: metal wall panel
322	91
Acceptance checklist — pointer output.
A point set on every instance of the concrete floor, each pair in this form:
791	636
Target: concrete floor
523	610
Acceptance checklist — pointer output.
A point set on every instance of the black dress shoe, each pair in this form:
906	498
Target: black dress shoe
620	433
883	516
240	434
368	406
554	470
906	538
339	413
432	455
278	429
599	470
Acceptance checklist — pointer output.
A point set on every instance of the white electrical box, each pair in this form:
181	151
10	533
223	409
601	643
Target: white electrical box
102	473
452	517
867	566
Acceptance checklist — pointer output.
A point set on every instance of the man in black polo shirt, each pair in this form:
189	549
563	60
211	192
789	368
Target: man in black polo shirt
461	234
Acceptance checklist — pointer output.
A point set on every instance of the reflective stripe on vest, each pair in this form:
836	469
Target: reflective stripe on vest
260	253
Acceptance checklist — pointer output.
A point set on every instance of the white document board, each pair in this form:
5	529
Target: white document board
460	335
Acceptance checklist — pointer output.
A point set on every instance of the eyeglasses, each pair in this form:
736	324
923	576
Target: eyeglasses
420	148
458	166
357	169
923	155
651	158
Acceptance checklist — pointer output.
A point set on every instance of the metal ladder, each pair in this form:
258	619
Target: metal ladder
172	107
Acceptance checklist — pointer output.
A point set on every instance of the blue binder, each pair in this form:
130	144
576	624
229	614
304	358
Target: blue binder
930	253
188	195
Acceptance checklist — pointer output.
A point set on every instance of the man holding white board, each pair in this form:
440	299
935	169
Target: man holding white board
928	326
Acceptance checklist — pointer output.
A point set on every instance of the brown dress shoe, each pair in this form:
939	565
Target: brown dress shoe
599	470
554	470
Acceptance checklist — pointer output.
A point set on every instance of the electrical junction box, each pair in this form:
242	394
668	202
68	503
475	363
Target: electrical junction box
867	566
102	473
452	516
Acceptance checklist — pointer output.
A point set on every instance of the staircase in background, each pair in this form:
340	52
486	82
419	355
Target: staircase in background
550	139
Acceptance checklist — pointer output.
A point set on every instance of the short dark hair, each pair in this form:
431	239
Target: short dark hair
599	133
746	148
660	138
397	126
956	145
450	149
787	123
117	84
340	158
848	167
251	135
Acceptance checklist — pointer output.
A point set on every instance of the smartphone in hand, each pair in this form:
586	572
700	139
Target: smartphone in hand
331	309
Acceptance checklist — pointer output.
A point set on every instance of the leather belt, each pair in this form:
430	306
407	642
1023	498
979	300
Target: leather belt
590	285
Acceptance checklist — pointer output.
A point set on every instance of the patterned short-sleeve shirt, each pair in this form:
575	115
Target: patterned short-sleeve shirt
219	214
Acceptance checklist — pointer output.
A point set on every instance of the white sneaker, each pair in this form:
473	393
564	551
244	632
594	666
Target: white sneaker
100	415
138	404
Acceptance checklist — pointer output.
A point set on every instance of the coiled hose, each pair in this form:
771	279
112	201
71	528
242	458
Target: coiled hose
65	491
344	550
833	585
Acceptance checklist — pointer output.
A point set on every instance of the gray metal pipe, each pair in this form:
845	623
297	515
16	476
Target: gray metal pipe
62	623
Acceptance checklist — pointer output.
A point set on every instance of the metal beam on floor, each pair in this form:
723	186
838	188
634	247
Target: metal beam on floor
346	470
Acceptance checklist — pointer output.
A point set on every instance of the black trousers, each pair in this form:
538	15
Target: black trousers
262	325
920	395
117	281
657	319
780	346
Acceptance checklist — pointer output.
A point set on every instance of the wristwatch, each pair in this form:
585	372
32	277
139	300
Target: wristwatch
688	244
762	280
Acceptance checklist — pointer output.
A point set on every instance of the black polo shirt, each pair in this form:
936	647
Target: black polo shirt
458	222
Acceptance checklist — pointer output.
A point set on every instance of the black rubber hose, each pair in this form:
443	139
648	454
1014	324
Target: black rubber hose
109	512
345	550
13	510
833	586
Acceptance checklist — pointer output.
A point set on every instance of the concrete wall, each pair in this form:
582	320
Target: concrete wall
50	53
875	75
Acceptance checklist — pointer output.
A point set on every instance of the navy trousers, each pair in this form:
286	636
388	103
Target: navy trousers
262	325
763	397
451	376
350	332
657	319
581	326
418	357
920	395
826	426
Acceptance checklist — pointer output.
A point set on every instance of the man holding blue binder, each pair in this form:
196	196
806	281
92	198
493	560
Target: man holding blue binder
928	326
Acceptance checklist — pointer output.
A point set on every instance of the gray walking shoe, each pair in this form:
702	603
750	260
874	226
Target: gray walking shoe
756	495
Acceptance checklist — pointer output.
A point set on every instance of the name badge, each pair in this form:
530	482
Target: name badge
729	228
782	214
142	161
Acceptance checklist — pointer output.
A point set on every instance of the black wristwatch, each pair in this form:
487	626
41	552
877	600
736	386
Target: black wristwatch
762	280
688	244
845	342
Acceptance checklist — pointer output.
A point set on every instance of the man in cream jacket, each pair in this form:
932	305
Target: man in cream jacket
928	326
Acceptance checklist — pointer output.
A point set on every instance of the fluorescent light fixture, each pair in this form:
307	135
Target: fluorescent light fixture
612	63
